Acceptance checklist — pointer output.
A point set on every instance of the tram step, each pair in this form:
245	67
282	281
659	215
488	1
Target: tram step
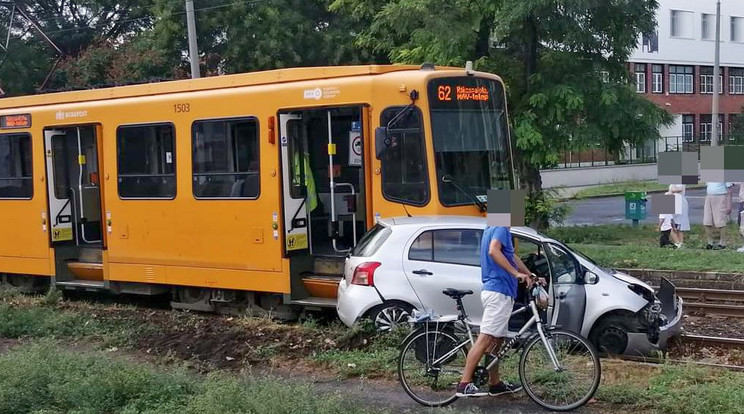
322	286
81	284
86	271
314	302
91	255
329	265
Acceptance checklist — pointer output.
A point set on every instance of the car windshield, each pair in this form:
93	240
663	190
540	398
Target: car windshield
471	144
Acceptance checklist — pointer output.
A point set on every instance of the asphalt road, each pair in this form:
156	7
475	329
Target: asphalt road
611	210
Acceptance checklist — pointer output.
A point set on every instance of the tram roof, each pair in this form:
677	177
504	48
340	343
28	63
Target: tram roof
207	83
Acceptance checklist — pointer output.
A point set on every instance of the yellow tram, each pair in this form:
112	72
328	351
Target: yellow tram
240	190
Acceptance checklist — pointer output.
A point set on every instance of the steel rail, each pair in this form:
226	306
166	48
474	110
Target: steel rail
734	311
711	340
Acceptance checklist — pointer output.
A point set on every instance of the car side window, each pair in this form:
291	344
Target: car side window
422	248
454	246
532	255
562	263
457	246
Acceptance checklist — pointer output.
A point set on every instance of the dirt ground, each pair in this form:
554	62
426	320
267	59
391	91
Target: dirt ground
715	326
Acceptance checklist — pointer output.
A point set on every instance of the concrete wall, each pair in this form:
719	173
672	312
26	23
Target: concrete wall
578	177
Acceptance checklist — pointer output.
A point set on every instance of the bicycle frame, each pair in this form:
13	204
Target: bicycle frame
535	319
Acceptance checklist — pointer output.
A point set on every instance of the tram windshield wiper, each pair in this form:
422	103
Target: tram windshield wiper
448	180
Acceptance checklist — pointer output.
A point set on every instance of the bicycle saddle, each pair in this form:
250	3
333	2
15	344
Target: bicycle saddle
456	293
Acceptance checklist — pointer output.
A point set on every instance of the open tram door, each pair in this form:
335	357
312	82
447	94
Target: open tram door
74	192
324	197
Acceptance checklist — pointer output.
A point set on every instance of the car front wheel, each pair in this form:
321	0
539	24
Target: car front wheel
390	315
610	335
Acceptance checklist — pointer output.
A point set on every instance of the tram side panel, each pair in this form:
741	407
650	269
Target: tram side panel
24	225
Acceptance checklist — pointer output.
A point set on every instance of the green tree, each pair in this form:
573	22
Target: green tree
97	39
260	35
737	126
550	54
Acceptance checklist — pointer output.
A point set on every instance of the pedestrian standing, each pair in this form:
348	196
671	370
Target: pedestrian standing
716	213
681	220
741	213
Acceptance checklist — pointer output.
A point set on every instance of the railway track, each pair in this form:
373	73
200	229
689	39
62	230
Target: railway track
711	341
721	302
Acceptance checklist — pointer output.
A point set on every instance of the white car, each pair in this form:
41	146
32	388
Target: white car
405	263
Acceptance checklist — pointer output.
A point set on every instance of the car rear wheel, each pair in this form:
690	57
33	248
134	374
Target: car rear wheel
390	315
610	335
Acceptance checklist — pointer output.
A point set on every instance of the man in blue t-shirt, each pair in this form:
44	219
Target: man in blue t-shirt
501	270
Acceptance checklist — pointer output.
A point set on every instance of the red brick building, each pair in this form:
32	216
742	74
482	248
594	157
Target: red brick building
673	67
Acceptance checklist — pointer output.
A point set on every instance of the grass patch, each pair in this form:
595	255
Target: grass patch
626	246
623	187
44	378
672	389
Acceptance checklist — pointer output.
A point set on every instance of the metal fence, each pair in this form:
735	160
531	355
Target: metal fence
596	156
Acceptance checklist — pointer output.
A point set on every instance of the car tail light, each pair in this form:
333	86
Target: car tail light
364	274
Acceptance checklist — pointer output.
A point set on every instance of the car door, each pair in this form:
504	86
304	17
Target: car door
437	259
568	288
532	253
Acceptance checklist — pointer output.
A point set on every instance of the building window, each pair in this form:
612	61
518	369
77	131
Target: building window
736	81
225	158
657	80
640	75
681	79
706	80
706	127
146	161
688	126
708	29
404	173
16	179
681	24
737	29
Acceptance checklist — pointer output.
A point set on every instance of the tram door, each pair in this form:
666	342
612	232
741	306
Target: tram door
74	193
323	180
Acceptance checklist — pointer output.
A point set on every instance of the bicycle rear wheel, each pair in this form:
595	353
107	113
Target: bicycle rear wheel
573	384
430	384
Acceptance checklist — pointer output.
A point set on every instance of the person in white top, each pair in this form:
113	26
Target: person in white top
682	220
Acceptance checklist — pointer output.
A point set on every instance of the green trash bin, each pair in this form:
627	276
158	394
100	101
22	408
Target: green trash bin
635	206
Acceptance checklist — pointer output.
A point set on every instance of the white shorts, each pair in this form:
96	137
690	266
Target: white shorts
497	309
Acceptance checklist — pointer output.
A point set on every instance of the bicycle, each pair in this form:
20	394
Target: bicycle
432	360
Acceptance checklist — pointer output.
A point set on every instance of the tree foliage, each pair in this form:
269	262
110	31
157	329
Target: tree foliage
550	53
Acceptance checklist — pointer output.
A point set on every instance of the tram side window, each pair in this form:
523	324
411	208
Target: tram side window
146	161
225	158
15	166
404	174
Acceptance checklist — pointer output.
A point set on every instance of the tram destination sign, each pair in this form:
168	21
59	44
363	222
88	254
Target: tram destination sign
465	93
15	121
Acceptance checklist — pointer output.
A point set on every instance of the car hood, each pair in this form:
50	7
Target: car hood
631	280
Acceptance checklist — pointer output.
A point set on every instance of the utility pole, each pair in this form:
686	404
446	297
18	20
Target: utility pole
193	49
716	81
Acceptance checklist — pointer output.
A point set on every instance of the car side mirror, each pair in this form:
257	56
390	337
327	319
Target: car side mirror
382	142
590	278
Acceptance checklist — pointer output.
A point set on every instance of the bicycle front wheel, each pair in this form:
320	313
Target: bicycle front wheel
572	383
430	366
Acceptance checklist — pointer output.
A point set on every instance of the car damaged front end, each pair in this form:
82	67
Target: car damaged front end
658	321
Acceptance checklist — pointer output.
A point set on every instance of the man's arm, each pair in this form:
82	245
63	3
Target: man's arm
494	250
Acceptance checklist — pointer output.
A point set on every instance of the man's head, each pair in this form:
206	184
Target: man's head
505	208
